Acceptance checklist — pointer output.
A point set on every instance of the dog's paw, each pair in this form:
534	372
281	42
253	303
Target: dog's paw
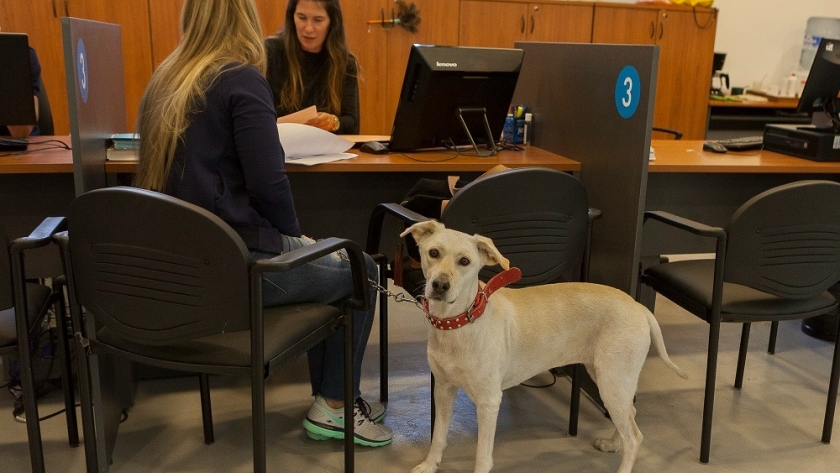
425	468
607	445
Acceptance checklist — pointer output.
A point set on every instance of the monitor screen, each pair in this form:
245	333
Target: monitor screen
820	92
439	82
17	107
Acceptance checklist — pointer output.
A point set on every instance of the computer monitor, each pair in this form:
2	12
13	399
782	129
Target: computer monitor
819	96
17	107
454	96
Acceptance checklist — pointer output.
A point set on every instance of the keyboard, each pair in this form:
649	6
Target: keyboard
743	143
13	144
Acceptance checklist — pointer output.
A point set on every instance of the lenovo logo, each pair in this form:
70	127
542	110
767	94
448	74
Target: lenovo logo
447	64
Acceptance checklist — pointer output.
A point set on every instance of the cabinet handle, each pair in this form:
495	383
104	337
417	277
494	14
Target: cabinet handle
532	23
522	24
661	29
652	29
66	8
55	12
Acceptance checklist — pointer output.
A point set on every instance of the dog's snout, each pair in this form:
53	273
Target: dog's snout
440	284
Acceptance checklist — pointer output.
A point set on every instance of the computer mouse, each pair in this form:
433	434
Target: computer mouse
374	147
714	147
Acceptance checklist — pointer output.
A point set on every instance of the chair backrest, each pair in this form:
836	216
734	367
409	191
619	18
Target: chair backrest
7	297
786	241
154	269
45	118
536	217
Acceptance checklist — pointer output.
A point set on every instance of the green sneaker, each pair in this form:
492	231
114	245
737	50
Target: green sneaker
375	410
323	422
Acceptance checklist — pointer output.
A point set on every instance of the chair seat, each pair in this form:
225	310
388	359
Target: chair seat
694	279
284	326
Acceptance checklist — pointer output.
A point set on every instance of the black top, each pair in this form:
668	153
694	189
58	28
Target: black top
315	74
232	164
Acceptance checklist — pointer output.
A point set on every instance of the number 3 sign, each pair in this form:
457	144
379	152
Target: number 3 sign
627	91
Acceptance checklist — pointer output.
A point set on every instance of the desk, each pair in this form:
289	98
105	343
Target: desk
709	187
320	192
727	119
33	186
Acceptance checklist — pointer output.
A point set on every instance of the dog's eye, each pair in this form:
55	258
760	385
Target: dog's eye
434	253
464	261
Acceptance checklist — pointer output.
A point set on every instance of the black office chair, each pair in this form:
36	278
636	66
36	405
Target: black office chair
45	118
169	284
538	218
23	307
774	260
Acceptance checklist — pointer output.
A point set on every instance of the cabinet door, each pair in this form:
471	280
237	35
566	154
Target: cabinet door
686	52
165	26
40	19
620	25
133	17
559	22
493	24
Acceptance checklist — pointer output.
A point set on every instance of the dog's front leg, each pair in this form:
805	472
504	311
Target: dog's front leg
487	413
444	406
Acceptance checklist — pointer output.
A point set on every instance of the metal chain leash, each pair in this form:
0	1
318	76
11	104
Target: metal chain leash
399	297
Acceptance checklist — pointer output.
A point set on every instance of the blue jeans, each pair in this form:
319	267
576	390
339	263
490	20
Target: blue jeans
326	280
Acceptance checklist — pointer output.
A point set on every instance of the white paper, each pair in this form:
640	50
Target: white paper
321	159
304	140
301	116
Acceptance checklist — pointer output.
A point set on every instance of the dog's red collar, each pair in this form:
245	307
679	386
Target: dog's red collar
479	304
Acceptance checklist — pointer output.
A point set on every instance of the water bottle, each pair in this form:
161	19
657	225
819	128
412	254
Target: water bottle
816	29
507	132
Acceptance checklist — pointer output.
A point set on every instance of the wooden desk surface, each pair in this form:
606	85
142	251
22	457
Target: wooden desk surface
41	157
687	156
417	162
774	102
57	160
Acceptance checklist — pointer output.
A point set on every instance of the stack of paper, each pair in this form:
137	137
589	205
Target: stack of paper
308	145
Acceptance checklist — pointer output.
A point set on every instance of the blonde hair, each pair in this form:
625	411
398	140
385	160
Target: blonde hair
214	33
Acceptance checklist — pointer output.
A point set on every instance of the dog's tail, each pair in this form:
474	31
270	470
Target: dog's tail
659	343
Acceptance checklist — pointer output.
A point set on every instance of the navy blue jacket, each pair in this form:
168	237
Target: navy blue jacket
231	162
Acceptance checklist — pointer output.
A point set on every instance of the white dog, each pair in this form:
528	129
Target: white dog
521	333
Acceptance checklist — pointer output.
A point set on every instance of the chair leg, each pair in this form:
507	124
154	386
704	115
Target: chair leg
709	398
574	408
30	404
258	417
349	394
206	409
85	397
831	404
432	395
771	344
742	355
383	334
66	369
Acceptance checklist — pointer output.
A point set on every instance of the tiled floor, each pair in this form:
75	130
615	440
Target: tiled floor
772	425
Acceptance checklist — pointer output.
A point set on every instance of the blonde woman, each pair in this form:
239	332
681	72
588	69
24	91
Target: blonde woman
208	136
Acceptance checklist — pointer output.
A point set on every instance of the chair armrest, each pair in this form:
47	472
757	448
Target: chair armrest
301	256
593	214
41	236
377	217
685	224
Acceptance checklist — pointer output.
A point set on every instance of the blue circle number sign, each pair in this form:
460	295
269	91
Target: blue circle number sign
627	91
82	71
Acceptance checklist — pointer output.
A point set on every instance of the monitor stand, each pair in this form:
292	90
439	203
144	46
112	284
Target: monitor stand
461	111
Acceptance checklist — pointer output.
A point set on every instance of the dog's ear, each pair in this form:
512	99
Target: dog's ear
421	231
489	254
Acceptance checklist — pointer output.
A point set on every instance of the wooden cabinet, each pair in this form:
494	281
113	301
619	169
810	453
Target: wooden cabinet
511	21
40	19
686	39
382	51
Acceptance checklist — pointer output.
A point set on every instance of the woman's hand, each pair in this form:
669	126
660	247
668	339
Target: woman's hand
325	121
